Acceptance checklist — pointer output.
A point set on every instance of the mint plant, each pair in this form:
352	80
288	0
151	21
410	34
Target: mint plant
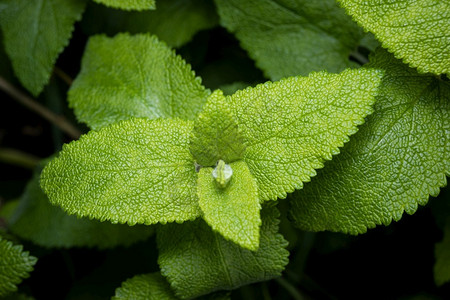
217	183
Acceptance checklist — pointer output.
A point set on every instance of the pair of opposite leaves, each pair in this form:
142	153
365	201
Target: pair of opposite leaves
272	136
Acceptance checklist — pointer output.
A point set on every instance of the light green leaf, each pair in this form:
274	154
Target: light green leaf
46	225
15	264
35	33
216	135
417	31
134	171
175	21
145	287
232	211
154	287
294	125
129	4
197	261
442	254
134	76
288	38
396	160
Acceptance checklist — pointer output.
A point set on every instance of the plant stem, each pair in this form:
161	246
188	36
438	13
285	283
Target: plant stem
290	288
359	57
18	158
58	120
63	75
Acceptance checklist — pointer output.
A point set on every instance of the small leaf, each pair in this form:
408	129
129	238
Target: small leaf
415	31
396	160
288	38
15	264
175	21
35	219
197	261
294	125
232	211
145	287
35	33
134	171
442	254
216	135
134	76
129	4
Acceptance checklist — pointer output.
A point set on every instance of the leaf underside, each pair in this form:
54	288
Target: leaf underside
134	76
396	160
15	264
134	171
35	33
417	31
197	261
288	38
292	126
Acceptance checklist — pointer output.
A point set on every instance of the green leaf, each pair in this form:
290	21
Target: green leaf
129	4
396	160
145	287
175	21
216	135
292	38
15	264
197	261
415	31
134	171
442	254
46	225
35	33
232	211
154	287
134	76
294	125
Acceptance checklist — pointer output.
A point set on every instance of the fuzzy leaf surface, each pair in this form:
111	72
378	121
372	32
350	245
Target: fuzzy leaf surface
216	134
294	125
442	254
197	261
396	160
35	33
129	4
134	76
417	31
288	38
36	220
15	265
175	21
134	171
233	211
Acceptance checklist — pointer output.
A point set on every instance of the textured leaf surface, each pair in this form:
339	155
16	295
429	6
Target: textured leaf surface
129	4
294	125
174	21
396	160
145	287
232	211
417	31
35	32
197	261
134	76
134	171
216	134
37	220
15	264
442	254
288	38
